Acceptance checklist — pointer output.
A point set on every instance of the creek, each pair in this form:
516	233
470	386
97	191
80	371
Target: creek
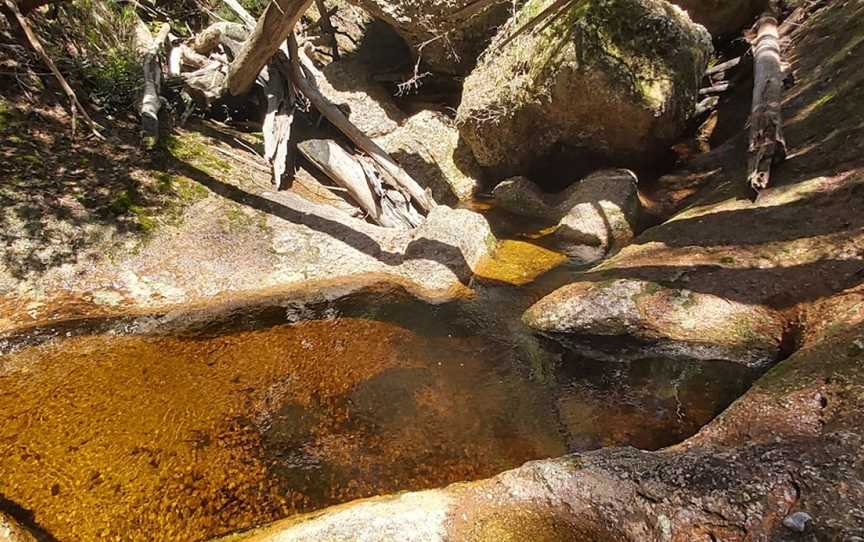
187	434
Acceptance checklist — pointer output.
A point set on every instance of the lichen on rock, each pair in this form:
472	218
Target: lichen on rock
669	321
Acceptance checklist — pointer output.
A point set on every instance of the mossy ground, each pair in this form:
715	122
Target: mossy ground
69	201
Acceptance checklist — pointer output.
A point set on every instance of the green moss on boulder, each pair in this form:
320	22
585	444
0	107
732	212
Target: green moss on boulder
618	78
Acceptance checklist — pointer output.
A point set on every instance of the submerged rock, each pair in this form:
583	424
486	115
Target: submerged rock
617	79
426	145
595	215
668	321
448	35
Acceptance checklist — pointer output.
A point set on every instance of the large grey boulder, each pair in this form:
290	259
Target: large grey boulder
448	35
595	215
666	321
616	79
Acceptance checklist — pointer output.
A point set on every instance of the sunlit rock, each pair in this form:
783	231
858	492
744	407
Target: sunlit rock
616	79
674	322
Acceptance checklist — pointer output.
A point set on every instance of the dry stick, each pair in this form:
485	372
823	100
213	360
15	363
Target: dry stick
273	28
767	144
723	66
332	113
327	27
76	106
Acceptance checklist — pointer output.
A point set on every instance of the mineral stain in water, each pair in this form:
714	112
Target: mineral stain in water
189	437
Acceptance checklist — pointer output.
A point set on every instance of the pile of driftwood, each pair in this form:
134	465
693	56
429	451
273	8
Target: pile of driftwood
233	58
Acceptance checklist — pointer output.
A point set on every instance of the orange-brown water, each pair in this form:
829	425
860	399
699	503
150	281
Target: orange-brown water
188	437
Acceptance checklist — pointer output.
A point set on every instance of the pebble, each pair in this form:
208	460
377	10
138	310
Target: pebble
798	521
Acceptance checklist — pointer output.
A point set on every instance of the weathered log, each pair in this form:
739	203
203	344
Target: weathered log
273	28
723	66
149	47
345	171
13	14
278	147
719	88
310	89
361	178
767	144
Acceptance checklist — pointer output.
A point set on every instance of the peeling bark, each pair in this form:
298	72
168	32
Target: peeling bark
273	28
767	144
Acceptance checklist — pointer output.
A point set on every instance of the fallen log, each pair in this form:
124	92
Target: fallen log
361	180
13	14
273	28
300	65
278	147
767	144
341	167
149	47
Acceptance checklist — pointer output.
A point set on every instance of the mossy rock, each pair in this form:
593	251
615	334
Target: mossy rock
614	78
668	321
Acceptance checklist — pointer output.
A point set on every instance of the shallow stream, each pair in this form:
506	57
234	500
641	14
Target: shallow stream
189	434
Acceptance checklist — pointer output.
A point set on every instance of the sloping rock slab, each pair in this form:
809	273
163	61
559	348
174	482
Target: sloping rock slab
671	322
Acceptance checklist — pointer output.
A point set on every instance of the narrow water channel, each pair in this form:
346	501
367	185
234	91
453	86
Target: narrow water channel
189	435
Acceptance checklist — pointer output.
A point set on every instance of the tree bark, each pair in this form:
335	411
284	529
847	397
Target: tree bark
273	28
767	144
308	87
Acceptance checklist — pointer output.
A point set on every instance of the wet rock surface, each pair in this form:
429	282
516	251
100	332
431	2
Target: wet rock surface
615	79
784	462
595	215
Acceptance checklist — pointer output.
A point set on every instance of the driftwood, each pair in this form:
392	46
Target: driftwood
278	147
300	65
361	179
719	88
149	47
723	66
273	28
17	19
341	167
767	144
